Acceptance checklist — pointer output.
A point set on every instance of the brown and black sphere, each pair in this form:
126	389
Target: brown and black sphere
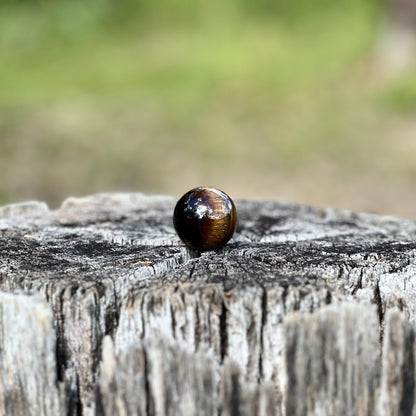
205	218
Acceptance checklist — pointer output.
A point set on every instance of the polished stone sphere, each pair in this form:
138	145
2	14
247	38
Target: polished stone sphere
205	218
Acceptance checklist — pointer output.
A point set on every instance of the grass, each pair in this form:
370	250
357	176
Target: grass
400	96
79	55
248	96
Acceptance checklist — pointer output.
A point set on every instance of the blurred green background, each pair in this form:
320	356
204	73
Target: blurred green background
290	100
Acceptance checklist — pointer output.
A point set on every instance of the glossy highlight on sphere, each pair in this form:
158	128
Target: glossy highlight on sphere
205	218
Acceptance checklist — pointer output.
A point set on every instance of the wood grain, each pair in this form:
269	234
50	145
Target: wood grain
305	312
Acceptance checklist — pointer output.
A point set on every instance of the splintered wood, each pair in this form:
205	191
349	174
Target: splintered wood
103	311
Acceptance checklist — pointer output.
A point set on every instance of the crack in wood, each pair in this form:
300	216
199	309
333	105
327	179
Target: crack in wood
223	332
262	326
377	299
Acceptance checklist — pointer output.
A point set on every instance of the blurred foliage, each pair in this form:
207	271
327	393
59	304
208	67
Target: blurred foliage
112	48
161	96
401	95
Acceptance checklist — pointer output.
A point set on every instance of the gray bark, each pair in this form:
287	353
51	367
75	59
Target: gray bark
305	312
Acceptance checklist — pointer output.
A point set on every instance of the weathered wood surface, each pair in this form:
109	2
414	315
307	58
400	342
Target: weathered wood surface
305	312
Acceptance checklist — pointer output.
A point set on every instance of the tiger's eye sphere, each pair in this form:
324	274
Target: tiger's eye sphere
205	218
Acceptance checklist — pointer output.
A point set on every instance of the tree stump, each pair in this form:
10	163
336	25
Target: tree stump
103	311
